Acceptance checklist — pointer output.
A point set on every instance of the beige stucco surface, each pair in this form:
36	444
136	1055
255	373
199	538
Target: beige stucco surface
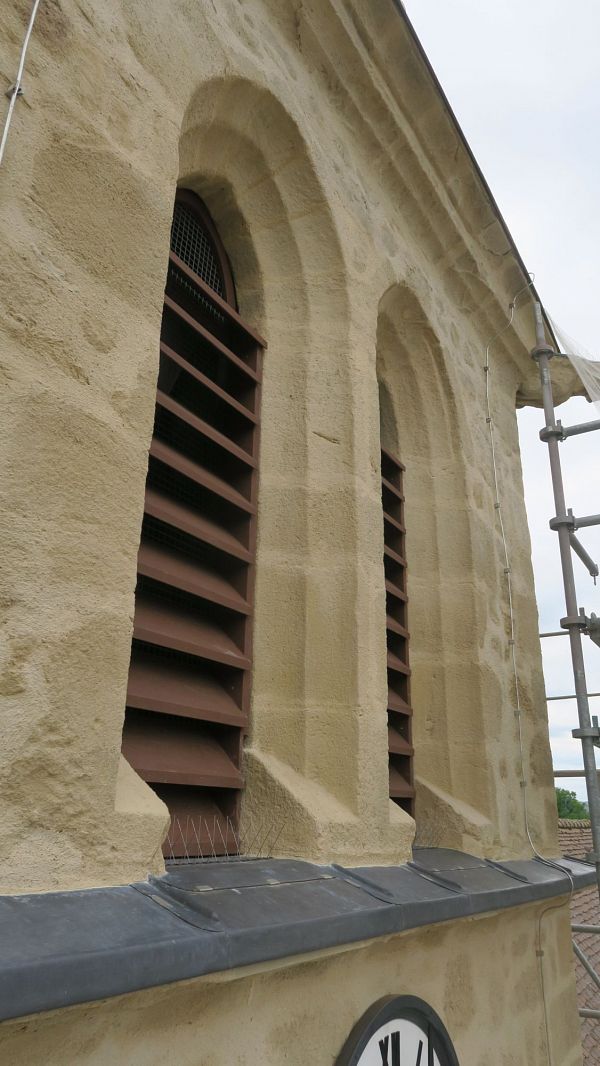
482	976
362	244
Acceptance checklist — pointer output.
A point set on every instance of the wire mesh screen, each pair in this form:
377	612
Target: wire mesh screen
190	242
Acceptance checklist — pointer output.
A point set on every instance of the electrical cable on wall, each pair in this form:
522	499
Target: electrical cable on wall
508	570
513	653
15	90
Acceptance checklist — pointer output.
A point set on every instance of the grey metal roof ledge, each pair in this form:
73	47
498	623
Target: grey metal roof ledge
63	948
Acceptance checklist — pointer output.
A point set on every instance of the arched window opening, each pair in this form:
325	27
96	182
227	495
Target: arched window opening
399	711
189	680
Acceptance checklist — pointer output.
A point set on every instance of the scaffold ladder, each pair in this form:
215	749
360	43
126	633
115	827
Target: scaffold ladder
576	623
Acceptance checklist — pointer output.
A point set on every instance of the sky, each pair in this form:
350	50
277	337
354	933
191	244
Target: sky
523	79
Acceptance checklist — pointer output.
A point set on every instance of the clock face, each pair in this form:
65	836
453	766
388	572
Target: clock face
400	1042
398	1031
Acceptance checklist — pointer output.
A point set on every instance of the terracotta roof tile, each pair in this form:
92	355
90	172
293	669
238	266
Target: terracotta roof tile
575	839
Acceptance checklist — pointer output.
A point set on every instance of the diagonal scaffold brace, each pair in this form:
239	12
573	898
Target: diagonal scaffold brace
575	622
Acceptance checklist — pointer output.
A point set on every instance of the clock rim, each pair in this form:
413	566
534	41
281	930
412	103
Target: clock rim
402	1008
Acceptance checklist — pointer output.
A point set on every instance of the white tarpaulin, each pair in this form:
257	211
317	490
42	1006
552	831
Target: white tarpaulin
583	363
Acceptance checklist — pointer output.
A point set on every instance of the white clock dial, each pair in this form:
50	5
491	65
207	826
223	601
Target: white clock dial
398	1031
399	1042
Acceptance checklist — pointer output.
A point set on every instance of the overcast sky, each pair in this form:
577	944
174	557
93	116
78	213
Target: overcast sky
523	78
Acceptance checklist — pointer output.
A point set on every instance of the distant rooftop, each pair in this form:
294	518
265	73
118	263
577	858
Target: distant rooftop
575	837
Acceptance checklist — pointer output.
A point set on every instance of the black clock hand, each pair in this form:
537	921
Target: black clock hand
418	1062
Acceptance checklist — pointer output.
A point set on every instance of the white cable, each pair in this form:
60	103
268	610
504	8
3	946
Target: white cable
14	91
513	649
508	575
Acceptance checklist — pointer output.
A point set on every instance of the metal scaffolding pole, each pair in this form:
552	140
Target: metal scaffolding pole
575	622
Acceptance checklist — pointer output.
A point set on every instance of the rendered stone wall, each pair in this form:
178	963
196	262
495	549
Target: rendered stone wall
482	976
356	225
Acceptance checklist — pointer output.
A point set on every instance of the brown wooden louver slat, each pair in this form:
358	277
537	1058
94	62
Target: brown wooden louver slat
189	679
399	710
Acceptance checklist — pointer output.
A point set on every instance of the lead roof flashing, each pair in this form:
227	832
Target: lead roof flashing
64	948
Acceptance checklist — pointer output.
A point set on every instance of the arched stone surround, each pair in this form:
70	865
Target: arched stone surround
317	689
465	734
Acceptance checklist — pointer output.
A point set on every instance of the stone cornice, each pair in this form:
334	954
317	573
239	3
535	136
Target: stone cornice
394	104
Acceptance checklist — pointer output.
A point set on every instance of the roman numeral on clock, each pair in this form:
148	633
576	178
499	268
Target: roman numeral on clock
385	1047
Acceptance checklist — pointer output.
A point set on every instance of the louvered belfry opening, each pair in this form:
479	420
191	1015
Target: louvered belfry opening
399	709
190	674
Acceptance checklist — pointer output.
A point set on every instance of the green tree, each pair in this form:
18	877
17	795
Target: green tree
569	806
